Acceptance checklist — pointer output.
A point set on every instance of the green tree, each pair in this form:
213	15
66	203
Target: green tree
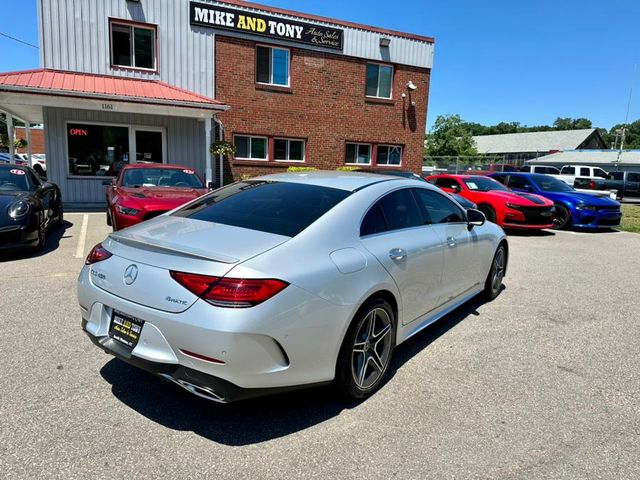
566	123
450	136
632	135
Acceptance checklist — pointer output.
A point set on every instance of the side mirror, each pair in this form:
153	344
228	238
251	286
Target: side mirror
211	186
475	218
456	188
109	183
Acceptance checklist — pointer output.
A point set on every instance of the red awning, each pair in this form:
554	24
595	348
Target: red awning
101	87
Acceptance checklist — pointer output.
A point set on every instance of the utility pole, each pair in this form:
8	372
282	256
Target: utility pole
623	134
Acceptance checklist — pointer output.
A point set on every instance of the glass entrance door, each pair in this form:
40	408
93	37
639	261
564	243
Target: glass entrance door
149	146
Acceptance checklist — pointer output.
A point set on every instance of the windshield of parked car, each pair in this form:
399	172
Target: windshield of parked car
14	179
160	177
484	184
550	184
272	207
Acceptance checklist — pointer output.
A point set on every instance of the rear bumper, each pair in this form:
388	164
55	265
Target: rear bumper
196	382
269	348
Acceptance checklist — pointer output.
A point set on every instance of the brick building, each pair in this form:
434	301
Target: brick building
160	81
37	139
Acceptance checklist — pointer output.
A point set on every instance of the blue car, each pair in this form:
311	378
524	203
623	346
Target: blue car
573	208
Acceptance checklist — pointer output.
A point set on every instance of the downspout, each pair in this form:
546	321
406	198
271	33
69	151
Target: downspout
11	139
220	157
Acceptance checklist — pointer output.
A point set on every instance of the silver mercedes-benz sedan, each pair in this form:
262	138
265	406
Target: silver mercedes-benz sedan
287	280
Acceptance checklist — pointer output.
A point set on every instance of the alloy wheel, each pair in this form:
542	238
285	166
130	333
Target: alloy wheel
372	348
497	271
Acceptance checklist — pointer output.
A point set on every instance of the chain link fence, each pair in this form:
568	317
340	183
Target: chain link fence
462	164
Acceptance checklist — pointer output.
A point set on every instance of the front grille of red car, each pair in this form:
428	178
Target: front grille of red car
155	214
536	215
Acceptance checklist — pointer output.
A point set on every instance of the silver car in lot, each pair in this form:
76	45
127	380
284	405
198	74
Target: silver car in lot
287	281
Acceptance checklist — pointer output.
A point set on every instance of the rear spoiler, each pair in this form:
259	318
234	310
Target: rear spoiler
157	246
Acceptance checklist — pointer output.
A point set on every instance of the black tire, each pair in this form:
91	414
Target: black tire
489	212
493	284
365	353
60	217
42	237
563	217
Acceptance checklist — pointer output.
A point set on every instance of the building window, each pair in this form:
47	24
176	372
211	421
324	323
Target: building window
133	46
97	150
250	148
358	154
379	80
389	155
272	66
286	150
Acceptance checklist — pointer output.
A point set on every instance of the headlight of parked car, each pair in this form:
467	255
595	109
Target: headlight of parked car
513	206
590	208
18	209
127	211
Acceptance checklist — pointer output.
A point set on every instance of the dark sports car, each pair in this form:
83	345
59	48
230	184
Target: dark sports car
29	207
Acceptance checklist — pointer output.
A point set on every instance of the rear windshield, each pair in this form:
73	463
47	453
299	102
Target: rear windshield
272	207
160	177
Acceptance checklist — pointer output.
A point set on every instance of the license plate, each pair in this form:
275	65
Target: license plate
125	328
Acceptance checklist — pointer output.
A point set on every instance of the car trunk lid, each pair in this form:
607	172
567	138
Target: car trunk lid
150	251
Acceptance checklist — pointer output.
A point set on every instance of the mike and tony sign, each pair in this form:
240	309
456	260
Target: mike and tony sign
212	16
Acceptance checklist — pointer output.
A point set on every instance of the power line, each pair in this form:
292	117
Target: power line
18	40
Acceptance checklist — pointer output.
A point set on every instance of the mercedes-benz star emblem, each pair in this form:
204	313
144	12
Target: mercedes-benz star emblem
130	274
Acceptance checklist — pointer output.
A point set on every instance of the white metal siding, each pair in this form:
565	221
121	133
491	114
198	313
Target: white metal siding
75	36
185	146
359	42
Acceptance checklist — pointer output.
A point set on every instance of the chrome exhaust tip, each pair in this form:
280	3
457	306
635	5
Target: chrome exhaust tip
200	391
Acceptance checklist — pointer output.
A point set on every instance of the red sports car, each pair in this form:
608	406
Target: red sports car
499	204
143	191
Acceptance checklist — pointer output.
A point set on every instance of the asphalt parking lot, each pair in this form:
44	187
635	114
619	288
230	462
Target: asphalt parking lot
544	382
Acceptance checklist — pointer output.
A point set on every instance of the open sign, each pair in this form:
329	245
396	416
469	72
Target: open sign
78	132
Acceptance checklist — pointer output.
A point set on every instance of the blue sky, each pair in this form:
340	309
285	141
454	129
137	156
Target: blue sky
528	61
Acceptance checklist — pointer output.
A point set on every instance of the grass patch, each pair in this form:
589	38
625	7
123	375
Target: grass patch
630	218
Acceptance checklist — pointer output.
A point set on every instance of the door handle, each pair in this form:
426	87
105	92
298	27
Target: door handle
397	254
451	242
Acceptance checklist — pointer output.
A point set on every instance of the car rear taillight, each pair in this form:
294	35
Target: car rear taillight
230	292
97	254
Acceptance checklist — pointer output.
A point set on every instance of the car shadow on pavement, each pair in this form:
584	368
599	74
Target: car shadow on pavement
529	233
258	420
52	243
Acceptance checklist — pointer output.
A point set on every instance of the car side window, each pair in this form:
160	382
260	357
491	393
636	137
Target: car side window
568	171
619	176
633	177
35	181
373	221
400	210
517	182
600	173
437	208
584	172
501	178
445	182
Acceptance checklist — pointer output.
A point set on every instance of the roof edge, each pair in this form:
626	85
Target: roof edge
344	23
